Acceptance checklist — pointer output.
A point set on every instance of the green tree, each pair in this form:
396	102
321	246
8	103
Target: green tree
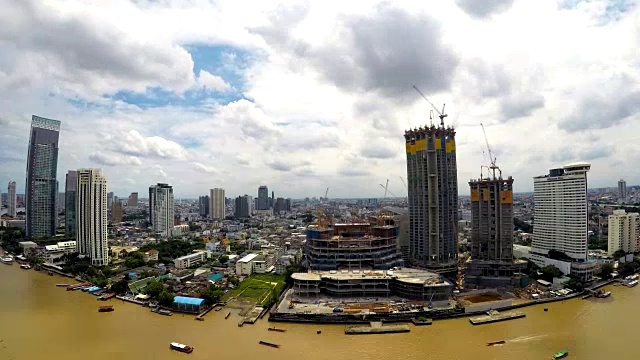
575	284
165	298
619	253
154	288
223	259
212	295
289	271
550	271
134	259
606	270
120	287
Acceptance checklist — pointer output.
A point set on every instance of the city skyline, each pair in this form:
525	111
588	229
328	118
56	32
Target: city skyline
236	113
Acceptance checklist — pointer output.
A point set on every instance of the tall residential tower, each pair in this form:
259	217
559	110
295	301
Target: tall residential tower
263	198
11	200
622	190
41	186
161	215
216	205
70	196
91	216
433	198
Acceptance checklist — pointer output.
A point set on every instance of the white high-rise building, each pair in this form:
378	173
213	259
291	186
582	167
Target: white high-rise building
216	203
11	200
161	214
91	216
561	213
623	231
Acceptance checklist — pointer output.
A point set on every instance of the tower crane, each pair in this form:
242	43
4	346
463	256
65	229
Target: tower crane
441	114
386	189
389	191
492	160
406	187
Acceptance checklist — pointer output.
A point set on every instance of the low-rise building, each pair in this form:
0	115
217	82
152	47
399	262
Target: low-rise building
151	255
55	254
244	266
179	230
187	261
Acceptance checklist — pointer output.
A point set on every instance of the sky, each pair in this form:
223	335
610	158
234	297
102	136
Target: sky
306	95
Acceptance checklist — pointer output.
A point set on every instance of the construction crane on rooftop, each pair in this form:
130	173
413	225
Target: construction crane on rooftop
386	189
492	160
406	188
441	114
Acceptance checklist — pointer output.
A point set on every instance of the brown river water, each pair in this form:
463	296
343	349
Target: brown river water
40	321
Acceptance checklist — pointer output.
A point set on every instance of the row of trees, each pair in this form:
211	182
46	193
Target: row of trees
168	250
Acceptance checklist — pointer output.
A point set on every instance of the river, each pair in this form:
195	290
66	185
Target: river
40	321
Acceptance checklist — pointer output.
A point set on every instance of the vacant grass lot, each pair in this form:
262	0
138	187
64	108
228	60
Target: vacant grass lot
258	288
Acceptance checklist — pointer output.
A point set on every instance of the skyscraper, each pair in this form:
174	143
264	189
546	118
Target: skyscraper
11	199
70	194
263	198
91	212
216	205
116	212
433	198
243	206
203	206
622	190
109	199
161	215
42	166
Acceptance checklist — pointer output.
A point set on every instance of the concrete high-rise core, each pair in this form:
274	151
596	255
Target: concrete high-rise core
11	199
161	212
70	196
216	206
41	186
433	198
91	212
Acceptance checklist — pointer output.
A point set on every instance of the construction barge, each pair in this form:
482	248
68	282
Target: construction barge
376	327
494	316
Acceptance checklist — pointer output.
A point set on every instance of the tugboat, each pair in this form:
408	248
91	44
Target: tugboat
561	354
181	347
25	266
106	308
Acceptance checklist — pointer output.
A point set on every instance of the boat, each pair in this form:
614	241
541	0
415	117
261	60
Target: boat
74	286
561	354
62	285
276	329
21	258
181	347
25	266
106	296
269	344
632	283
50	273
106	308
7	259
491	343
157	310
218	309
319	332
604	295
227	316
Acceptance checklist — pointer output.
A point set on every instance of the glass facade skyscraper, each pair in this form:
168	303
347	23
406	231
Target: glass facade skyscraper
70	194
41	186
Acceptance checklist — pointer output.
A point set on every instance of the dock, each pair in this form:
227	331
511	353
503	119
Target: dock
496	317
130	300
376	327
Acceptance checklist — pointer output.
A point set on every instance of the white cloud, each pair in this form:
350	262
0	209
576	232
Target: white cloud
327	93
208	81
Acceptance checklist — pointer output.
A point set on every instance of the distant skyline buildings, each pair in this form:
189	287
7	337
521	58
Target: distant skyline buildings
263	198
622	190
41	185
11	199
132	201
91	216
243	206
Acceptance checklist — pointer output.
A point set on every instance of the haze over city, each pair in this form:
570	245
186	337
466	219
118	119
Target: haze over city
318	94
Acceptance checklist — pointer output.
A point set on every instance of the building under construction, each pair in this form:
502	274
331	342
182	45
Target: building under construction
414	284
433	198
352	246
492	261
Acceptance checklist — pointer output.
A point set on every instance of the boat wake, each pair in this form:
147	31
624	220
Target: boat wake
528	338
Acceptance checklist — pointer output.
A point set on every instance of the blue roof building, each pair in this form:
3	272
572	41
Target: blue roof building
188	304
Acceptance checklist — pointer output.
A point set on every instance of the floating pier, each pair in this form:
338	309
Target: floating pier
496	317
376	327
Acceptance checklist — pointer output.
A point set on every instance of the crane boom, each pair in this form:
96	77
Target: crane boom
441	114
486	140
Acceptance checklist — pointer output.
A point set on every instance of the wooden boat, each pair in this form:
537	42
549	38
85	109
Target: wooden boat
227	316
561	354
276	329
106	308
269	344
181	347
491	343
319	332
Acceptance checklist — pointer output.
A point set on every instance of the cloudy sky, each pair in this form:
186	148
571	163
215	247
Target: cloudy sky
307	95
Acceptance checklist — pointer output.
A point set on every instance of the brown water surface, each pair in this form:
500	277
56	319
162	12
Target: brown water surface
40	321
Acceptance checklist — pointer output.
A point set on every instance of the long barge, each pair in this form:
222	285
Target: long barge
376	328
496	317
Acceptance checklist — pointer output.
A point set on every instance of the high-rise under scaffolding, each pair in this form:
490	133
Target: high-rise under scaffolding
433	198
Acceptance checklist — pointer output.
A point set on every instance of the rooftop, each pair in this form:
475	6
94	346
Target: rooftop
408	275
